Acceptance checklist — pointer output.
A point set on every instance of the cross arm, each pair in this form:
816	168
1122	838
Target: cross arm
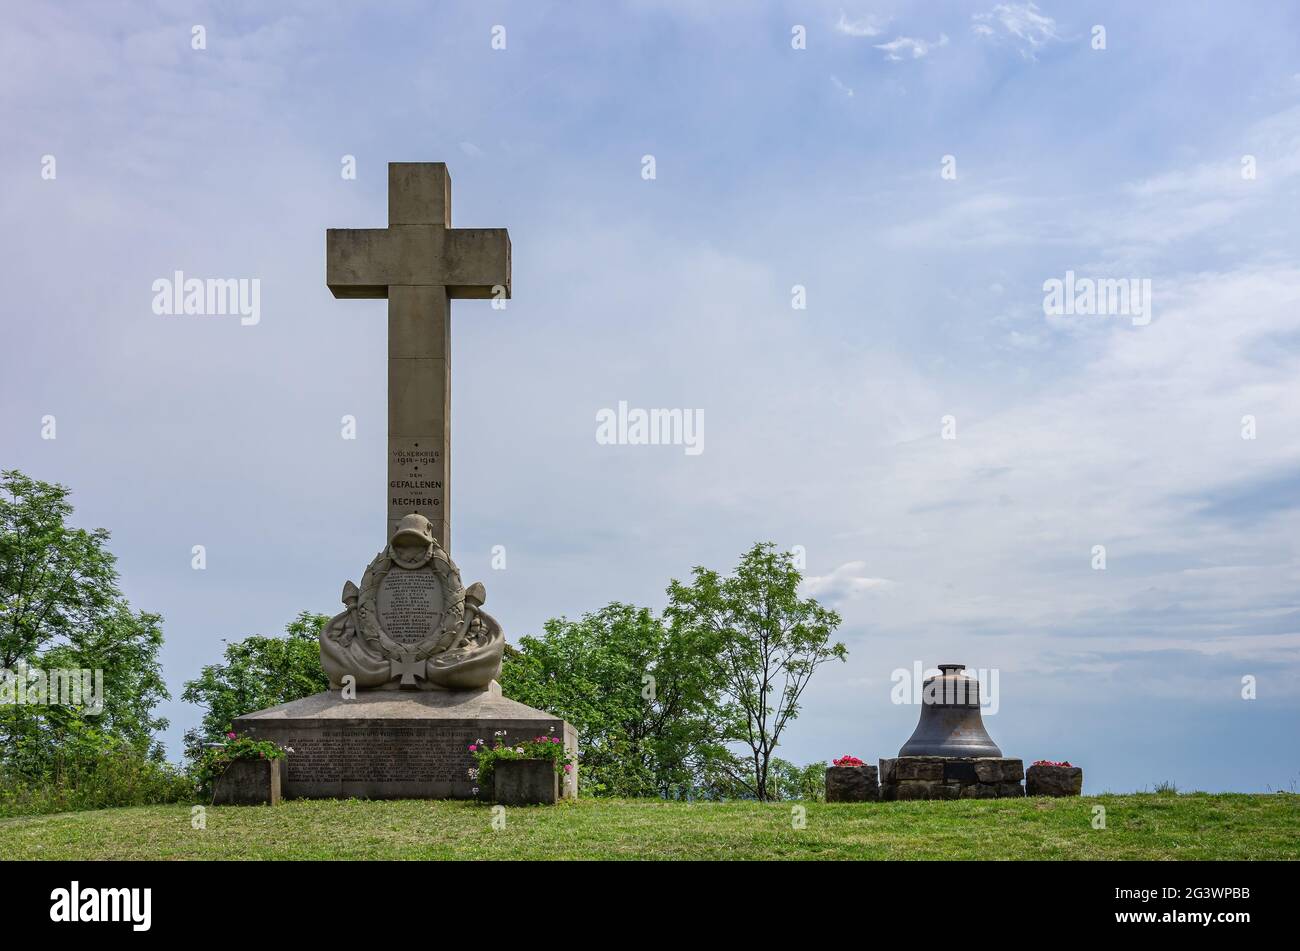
469	262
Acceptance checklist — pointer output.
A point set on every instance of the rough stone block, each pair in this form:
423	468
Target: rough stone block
248	782
887	773
1010	791
852	784
1054	781
525	782
998	770
919	767
959	771
979	791
909	789
916	789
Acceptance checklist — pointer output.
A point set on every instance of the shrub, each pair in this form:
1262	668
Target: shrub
120	776
807	783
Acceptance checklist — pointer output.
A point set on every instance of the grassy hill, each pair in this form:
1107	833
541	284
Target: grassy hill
1196	826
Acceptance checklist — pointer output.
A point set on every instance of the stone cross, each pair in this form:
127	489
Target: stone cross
419	262
406	667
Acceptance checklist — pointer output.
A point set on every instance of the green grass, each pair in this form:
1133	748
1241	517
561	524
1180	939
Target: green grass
1197	826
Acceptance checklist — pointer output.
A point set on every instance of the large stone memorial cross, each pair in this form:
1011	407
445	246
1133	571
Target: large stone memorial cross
419	262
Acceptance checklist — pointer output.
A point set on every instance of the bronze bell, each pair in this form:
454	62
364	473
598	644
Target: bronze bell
950	722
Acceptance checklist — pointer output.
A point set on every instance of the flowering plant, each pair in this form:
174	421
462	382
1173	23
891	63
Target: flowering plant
847	760
1048	762
213	762
540	747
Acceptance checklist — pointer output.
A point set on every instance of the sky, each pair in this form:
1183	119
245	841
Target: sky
915	173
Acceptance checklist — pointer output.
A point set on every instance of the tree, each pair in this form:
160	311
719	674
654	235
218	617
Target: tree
788	781
61	610
58	585
639	695
764	642
256	673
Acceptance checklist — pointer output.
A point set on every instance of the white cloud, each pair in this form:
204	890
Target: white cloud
847	90
982	219
907	47
863	26
1023	23
847	581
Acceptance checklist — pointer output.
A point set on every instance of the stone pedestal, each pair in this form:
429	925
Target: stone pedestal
395	744
1054	781
525	782
950	777
851	784
248	782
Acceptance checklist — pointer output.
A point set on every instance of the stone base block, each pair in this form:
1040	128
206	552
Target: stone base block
1054	781
525	782
248	782
950	777
852	784
396	744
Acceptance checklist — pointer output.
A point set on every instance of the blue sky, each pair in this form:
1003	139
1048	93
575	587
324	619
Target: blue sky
775	167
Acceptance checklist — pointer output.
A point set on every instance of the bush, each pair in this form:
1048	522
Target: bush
807	783
120	776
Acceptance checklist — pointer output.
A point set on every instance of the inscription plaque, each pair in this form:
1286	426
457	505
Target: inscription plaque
410	605
416	479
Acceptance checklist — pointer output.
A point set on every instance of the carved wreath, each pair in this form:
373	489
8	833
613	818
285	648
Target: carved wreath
453	599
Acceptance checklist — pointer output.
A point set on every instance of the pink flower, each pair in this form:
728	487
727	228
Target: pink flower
555	739
230	736
568	767
473	748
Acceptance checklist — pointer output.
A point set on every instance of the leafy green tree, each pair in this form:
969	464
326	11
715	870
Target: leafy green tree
764	642
60	609
58	584
639	695
256	673
788	781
